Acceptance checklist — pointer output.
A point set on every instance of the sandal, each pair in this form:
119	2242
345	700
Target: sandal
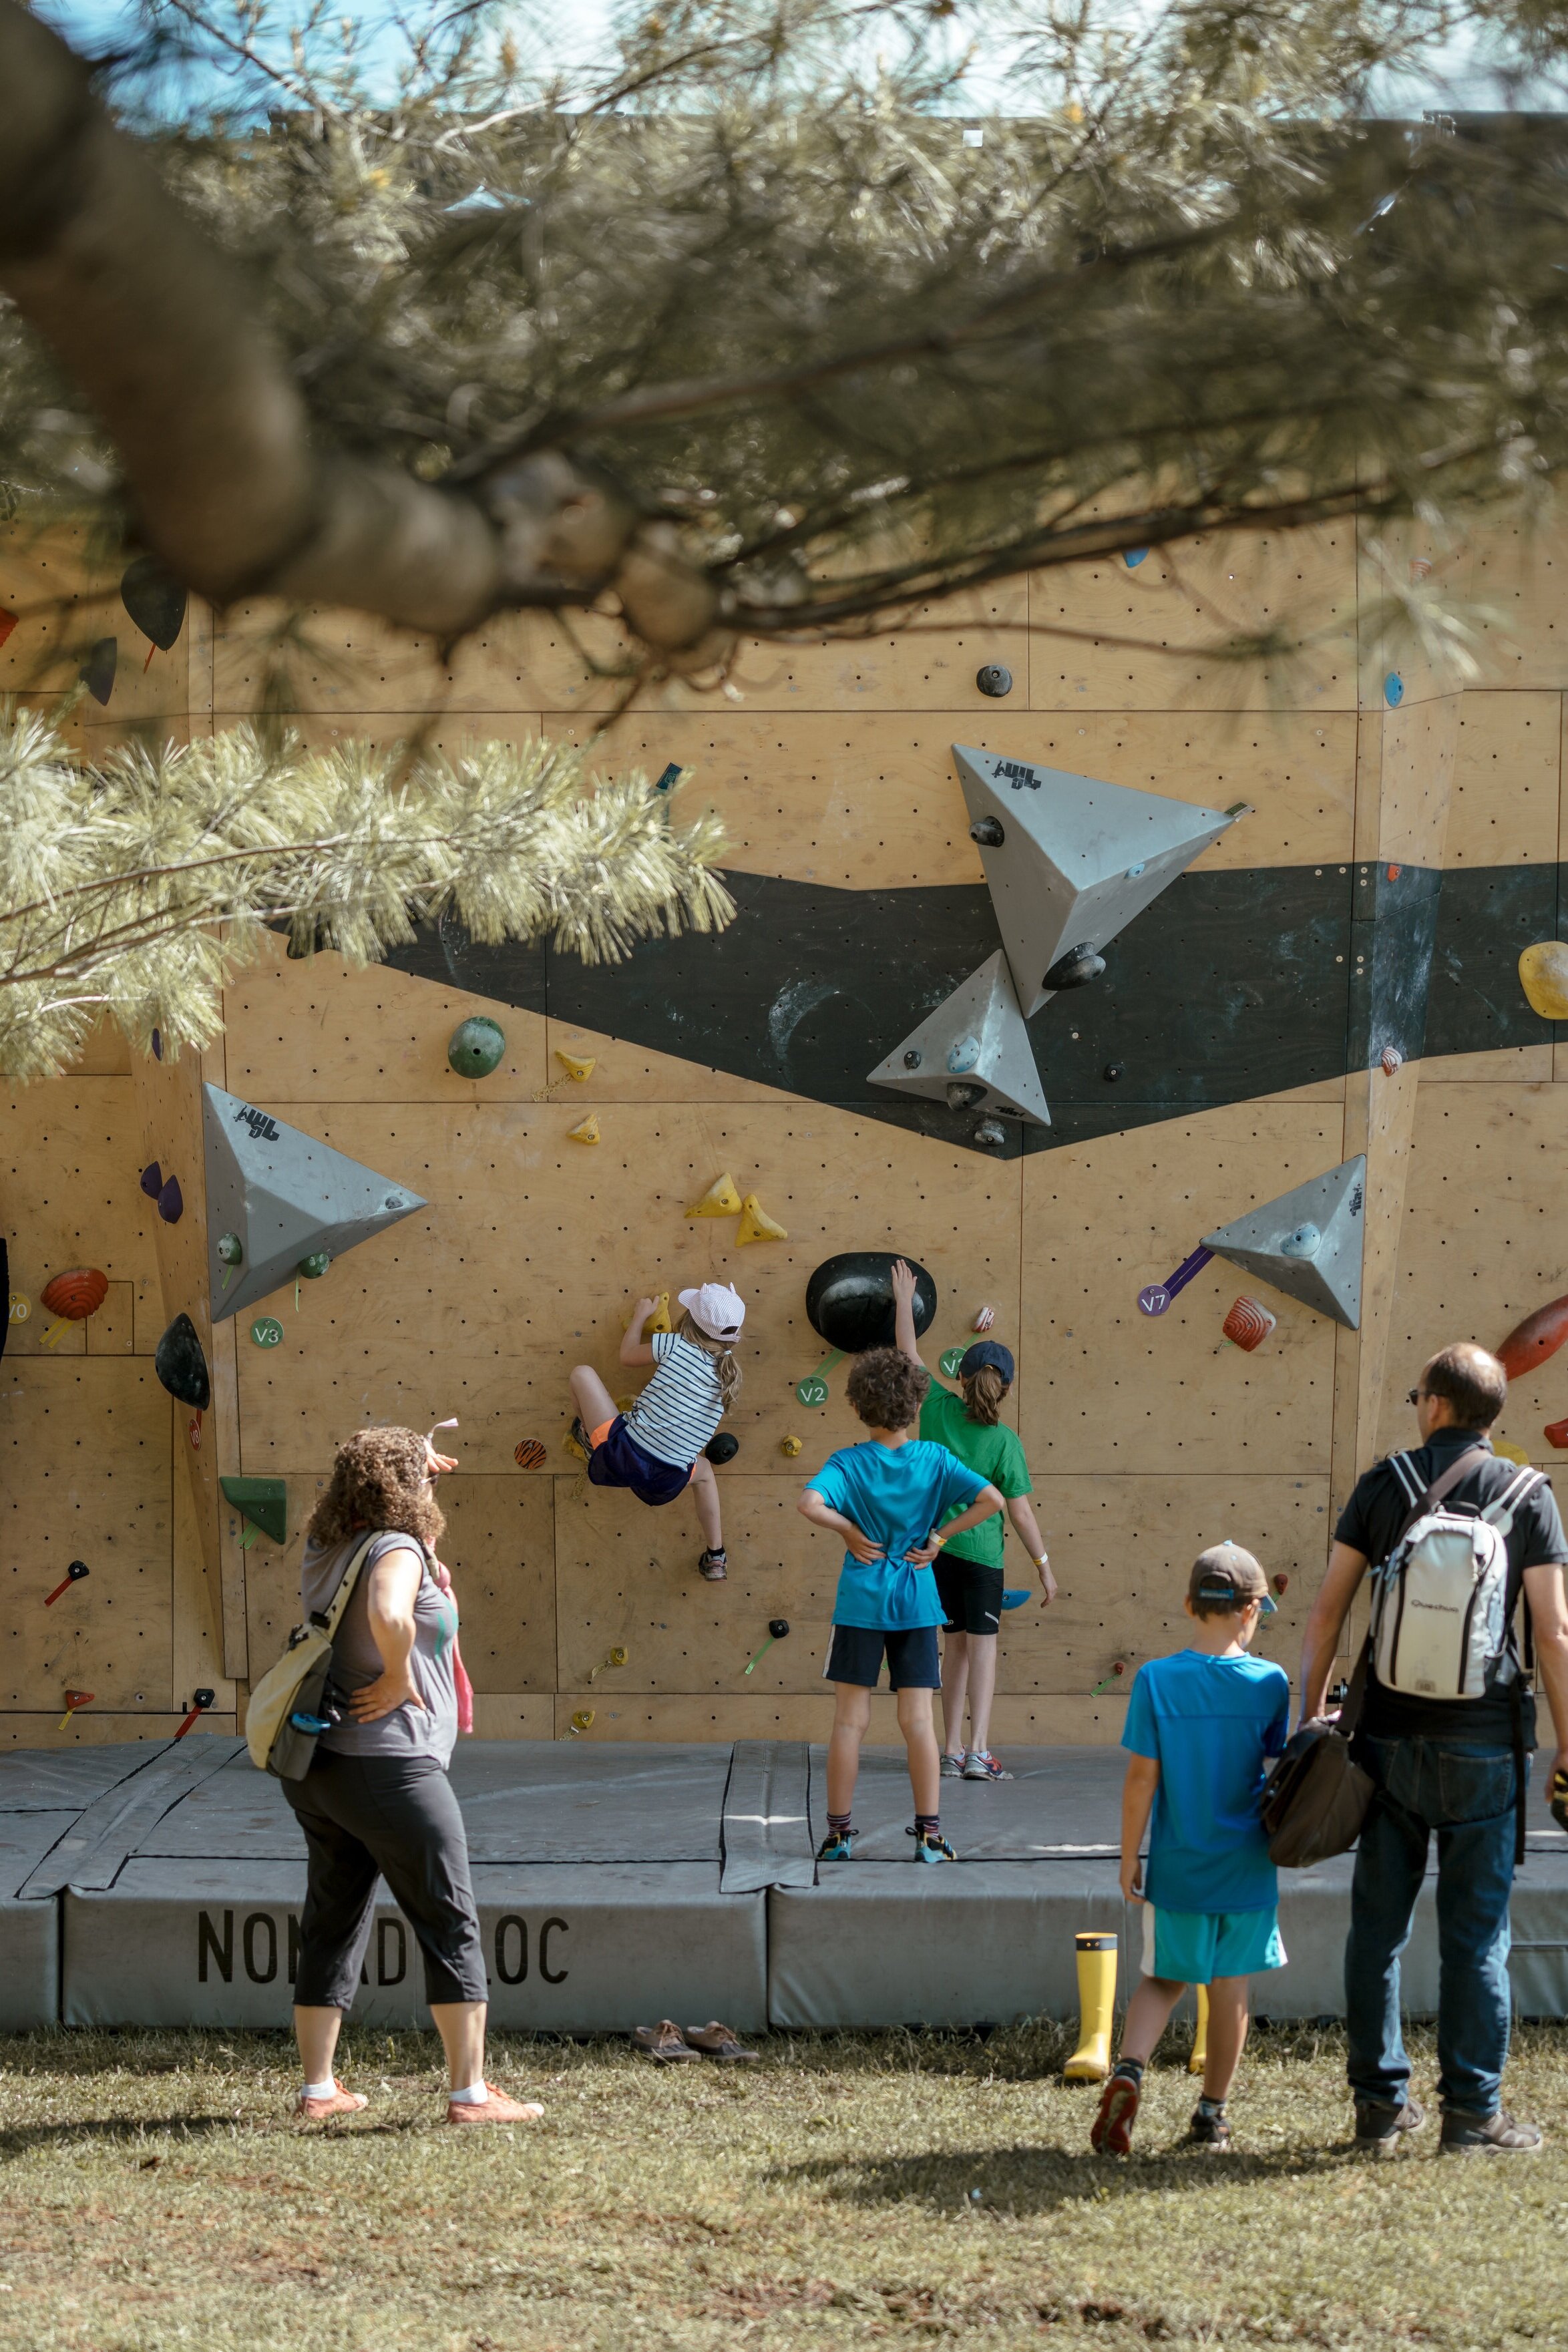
714	1565
664	2043
716	2040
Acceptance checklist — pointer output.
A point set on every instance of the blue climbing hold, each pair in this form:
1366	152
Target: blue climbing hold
1016	1595
1394	689
1134	557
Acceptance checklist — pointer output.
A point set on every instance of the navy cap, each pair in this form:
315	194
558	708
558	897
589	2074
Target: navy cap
987	1351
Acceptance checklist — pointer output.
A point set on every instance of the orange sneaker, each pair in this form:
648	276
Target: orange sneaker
495	2108
1112	2131
341	2102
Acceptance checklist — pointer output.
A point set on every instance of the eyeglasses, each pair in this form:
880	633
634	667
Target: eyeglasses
1415	1396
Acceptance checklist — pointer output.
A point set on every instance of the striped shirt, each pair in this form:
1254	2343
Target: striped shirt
681	1406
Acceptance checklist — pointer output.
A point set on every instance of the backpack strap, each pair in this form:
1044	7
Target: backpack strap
1404	1471
1471	1459
1512	1494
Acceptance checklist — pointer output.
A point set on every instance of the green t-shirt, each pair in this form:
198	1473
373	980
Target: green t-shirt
995	1453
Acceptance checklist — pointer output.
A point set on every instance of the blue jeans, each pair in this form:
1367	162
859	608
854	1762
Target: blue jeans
1467	1793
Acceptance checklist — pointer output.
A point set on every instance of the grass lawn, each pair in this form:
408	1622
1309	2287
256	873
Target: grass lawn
881	2189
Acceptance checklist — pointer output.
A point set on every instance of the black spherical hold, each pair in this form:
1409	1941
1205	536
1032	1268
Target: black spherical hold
913	1058
722	1448
989	832
1076	969
995	680
849	1300
181	1365
155	599
78	1569
1112	1070
777	1628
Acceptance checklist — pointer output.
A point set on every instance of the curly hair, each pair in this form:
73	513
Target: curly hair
378	1481
886	1389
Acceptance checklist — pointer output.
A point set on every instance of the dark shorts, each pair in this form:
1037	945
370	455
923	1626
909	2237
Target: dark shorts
617	1460
856	1657
970	1593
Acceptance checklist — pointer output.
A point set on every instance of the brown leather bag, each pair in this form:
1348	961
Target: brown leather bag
1316	1798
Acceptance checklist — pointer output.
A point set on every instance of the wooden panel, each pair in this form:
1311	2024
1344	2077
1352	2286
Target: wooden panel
91	1728
65	602
86	1476
1515	573
69	1159
1518	1064
111	1332
500	1715
1103	1387
629	1072
336	663
1110	638
1507	773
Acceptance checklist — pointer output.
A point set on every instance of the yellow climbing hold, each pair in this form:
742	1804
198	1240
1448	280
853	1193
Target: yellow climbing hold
1511	1453
721	1200
582	1721
659	1320
789	1447
756	1226
580	1067
1543	973
587	1131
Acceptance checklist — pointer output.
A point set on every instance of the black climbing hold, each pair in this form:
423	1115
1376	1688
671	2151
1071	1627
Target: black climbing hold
965	1097
989	832
912	1058
181	1367
154	600
849	1300
722	1448
665	782
78	1569
1076	969
97	672
1113	1070
995	680
777	1628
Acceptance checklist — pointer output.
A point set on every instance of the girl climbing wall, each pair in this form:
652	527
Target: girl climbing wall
657	1448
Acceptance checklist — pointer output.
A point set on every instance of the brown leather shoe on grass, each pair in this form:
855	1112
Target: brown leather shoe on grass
716	2040
495	2108
341	2102
664	2043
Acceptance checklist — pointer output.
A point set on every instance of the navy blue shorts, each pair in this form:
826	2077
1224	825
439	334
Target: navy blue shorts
617	1460
913	1663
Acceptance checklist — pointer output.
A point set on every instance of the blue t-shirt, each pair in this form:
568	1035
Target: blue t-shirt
1210	1724
896	1494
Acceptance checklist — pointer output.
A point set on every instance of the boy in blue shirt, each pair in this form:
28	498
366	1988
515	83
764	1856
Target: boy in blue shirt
1200	1727
887	1497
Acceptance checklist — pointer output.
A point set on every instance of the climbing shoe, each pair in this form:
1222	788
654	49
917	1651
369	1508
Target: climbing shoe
838	1846
930	1847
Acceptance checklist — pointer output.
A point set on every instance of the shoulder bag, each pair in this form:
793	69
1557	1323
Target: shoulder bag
286	1701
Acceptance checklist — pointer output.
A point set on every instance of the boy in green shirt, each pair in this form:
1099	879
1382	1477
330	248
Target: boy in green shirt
969	1570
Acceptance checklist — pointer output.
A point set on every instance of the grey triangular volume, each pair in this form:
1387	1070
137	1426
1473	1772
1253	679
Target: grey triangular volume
975	1045
282	1196
1069	860
1309	1243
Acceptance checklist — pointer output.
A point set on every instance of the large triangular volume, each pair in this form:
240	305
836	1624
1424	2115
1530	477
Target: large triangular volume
973	1053
274	1196
1070	861
1308	1243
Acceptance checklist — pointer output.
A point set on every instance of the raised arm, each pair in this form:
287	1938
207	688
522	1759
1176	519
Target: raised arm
635	1348
1325	1623
904	1338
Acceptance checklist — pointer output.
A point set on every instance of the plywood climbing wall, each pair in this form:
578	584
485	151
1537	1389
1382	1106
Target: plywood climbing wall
1234	1050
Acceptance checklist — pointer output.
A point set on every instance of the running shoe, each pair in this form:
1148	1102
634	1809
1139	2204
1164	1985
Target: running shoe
1210	2132
838	1846
929	1847
1110	2134
981	1765
951	1767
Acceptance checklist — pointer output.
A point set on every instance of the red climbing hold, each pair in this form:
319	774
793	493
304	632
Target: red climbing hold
1527	1344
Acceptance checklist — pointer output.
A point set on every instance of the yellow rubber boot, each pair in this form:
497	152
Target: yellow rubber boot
1090	2062
1200	2057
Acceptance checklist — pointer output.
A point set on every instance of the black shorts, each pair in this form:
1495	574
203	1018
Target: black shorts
855	1656
617	1460
970	1593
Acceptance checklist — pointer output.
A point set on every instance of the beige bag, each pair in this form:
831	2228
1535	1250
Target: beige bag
296	1684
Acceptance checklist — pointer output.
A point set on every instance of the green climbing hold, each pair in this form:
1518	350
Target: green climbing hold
315	1266
476	1047
263	1501
231	1249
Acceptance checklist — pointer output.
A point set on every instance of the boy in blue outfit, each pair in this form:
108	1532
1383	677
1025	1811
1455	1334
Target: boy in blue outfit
1200	1727
887	1497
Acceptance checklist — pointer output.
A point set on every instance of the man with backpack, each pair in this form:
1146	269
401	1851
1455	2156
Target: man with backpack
1455	1537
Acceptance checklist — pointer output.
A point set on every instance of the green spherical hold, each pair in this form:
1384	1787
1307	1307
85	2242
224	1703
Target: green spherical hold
230	1249
476	1047
315	1266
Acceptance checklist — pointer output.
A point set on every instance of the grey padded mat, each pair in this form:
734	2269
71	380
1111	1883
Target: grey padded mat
767	1817
112	1828
46	1781
1064	1804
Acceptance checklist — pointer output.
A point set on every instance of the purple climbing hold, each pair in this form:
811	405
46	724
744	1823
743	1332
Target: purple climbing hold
157	1046
153	1180
171	1201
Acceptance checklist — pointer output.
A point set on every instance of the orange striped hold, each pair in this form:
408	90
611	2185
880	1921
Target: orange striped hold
1249	1324
529	1453
76	1293
1530	1343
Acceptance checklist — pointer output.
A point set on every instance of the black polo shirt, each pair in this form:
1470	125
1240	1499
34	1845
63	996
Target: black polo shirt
1370	1522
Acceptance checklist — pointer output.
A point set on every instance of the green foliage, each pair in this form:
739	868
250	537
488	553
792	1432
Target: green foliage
139	885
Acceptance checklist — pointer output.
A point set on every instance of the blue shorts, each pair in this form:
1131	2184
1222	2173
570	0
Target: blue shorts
1195	1947
617	1460
855	1656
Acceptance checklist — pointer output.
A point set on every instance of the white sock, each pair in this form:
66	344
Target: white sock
474	2097
320	2090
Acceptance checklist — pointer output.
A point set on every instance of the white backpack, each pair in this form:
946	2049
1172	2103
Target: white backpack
1439	1603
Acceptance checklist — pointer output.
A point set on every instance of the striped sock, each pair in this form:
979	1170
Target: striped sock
838	1824
928	1825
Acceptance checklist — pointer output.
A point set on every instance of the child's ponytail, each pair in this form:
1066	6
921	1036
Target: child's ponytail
983	1391
726	1367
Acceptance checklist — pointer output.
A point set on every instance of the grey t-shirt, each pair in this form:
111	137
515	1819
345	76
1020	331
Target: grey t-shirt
430	1731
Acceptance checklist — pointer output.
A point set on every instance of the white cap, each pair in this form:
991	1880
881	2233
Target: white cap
716	1309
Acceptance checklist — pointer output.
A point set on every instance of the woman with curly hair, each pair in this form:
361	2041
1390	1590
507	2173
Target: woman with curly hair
377	1799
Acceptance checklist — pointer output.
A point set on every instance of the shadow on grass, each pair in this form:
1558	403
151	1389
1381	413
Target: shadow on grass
121	2129
1023	2180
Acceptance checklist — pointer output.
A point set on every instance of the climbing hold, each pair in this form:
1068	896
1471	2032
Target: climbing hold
950	1361
984	1319
73	1575
616	1657
1281	1583
579	1722
97	672
1556	1434
231	1249
1113	1071
1014	1595
476	1047
659	1320
263	1501
171	1202
1394	689
73	1297
157	1043
756	1226
1544	975
1249	1324
1133	556
962	1055
1510	1452
200	1702
789	1447
315	1266
1117	1671
721	1200
267	1331
722	1447
586	1131
7	623
989	832
1079	965
194	1429
1391	1059
1308	1243
75	1701
1530	1343
155	599
1301	1241
529	1453
995	680
913	1057
579	1067
778	1627
152	1181
849	1300
181	1365
991	1134
976	1037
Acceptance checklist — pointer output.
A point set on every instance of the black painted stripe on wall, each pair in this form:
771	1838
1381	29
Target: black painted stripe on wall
1235	983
